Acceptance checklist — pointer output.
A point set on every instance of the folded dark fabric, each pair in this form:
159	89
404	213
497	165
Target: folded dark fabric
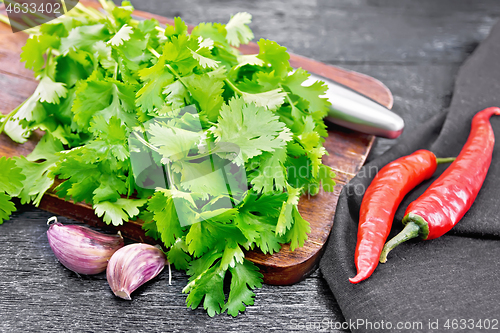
447	284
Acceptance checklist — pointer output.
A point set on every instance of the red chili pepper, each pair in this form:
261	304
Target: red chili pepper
450	196
380	202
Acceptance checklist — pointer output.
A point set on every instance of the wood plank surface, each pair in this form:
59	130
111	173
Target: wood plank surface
347	153
414	47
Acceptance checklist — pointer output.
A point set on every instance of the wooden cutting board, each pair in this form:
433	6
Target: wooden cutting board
347	153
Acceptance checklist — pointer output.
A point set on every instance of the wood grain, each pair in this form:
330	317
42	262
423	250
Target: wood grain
347	153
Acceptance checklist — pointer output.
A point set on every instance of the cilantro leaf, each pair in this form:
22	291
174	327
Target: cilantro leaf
249	59
111	136
105	97
297	234
165	216
110	188
50	91
237	30
272	53
123	14
80	174
206	178
254	129
179	28
178	255
11	181
6	207
214	31
178	54
70	71
102	54
327	175
11	178
176	95
84	37
318	106
156	78
61	25
231	256
286	218
208	287
207	91
199	239
19	127
173	142
259	230
311	140
35	48
121	36
36	167
203	52
199	266
265	204
271	174
269	99
118	212
16	132
245	276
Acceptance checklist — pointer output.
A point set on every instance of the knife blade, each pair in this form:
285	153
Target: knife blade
357	112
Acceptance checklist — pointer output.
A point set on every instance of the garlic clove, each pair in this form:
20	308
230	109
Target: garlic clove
132	266
81	249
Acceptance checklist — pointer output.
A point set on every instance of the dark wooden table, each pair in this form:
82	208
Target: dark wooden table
414	47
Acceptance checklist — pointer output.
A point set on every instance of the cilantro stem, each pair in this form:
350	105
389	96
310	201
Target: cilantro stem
160	29
150	146
104	4
153	51
49	58
288	99
9	116
18	26
29	21
144	142
64	6
233	87
169	177
99	14
170	68
89	12
4	19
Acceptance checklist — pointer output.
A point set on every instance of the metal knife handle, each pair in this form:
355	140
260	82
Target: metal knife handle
355	111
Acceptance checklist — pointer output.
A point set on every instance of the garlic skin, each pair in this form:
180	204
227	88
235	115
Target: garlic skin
81	249
132	266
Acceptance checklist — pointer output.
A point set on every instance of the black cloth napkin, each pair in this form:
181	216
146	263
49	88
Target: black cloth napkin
448	284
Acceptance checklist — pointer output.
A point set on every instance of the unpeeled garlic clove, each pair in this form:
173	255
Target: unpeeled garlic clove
132	266
81	249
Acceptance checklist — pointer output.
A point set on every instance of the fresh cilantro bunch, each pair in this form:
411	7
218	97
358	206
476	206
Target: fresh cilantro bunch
200	117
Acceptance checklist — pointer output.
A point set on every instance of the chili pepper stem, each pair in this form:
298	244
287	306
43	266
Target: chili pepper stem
411	230
443	160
